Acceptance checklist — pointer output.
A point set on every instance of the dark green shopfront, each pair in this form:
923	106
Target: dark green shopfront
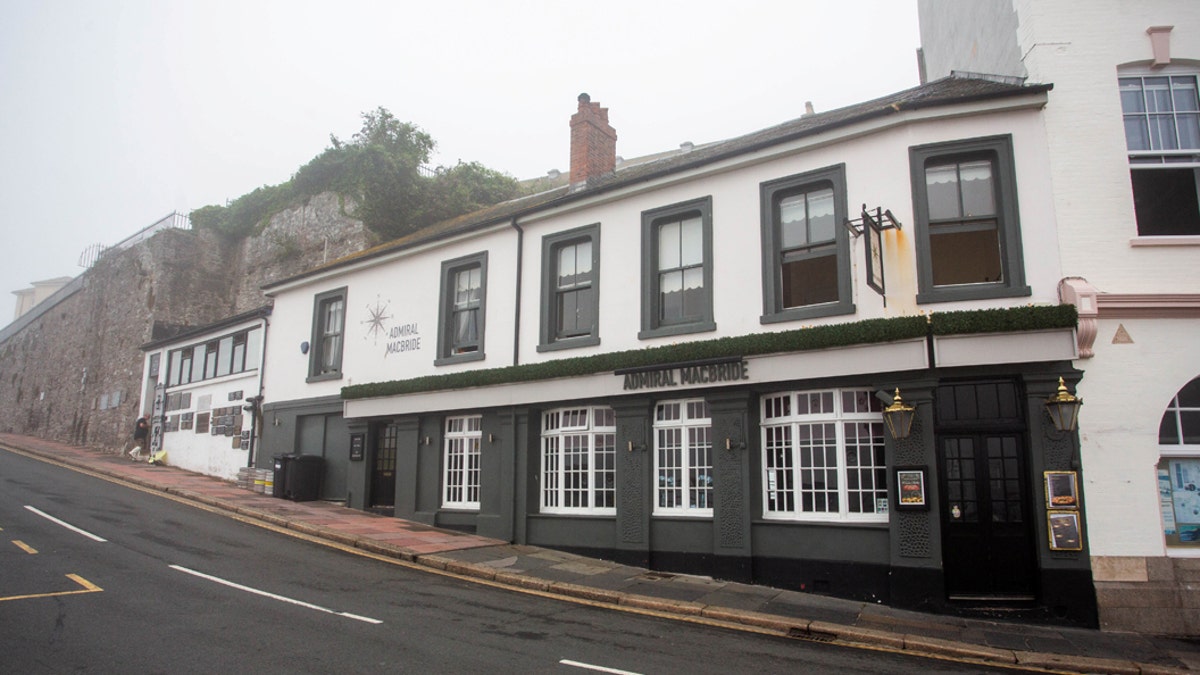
774	468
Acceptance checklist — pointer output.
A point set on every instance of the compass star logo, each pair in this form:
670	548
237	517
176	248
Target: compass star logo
378	316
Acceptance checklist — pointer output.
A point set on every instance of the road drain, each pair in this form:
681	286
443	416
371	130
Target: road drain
656	576
810	636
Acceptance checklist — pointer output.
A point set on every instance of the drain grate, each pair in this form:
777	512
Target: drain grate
655	576
811	636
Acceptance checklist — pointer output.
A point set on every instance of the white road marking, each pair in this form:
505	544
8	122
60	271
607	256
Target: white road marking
602	669
52	519
274	596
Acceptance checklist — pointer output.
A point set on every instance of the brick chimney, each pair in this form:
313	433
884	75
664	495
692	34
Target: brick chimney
593	143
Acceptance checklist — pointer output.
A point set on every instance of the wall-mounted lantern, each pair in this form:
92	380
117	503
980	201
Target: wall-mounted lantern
899	417
1064	408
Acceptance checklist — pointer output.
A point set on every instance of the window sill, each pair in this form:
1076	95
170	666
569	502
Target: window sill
610	513
699	514
1176	240
813	312
460	358
972	293
682	329
569	343
880	521
324	377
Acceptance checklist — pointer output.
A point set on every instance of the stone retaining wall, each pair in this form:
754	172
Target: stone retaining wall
72	371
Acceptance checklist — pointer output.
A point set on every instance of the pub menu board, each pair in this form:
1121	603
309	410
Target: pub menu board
1062	490
910	488
1064	531
1179	499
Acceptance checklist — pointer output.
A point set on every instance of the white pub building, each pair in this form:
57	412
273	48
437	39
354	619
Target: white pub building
691	364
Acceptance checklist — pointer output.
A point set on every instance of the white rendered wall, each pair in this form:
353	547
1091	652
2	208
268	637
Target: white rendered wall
205	453
1123	404
406	290
877	173
1079	51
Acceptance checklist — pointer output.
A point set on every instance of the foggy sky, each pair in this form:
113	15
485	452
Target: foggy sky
116	113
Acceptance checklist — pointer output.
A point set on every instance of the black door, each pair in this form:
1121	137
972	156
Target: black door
987	548
383	468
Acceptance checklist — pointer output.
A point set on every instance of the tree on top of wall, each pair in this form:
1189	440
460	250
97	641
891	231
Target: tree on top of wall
383	167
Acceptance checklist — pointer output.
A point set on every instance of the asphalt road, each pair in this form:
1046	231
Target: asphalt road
98	577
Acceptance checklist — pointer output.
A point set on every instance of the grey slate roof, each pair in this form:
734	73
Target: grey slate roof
168	334
952	90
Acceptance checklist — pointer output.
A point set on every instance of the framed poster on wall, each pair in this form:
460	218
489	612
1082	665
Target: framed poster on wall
1064	531
1179	500
357	443
910	488
1062	490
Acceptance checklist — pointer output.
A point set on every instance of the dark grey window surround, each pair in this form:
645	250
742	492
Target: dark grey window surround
998	149
770	193
551	244
445	313
651	325
315	357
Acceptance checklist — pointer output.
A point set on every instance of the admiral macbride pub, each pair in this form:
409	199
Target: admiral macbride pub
683	364
686	374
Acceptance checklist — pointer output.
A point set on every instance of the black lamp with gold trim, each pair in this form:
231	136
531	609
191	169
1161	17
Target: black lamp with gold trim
899	417
1064	408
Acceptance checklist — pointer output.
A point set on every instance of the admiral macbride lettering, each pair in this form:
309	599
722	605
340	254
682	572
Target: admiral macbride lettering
674	377
403	338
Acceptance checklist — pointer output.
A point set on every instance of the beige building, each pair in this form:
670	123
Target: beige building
28	298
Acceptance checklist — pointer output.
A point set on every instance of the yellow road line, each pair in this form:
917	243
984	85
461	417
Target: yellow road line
25	547
88	587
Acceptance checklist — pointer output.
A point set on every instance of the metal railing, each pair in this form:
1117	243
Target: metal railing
172	221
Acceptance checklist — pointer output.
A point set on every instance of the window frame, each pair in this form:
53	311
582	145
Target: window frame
462	476
551	245
232	348
652	325
1145	161
553	483
237	352
446	333
1179	426
684	424
212	350
838	418
999	150
186	356
770	193
316	356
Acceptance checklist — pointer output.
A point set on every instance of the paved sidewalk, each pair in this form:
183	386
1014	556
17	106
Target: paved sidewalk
787	613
